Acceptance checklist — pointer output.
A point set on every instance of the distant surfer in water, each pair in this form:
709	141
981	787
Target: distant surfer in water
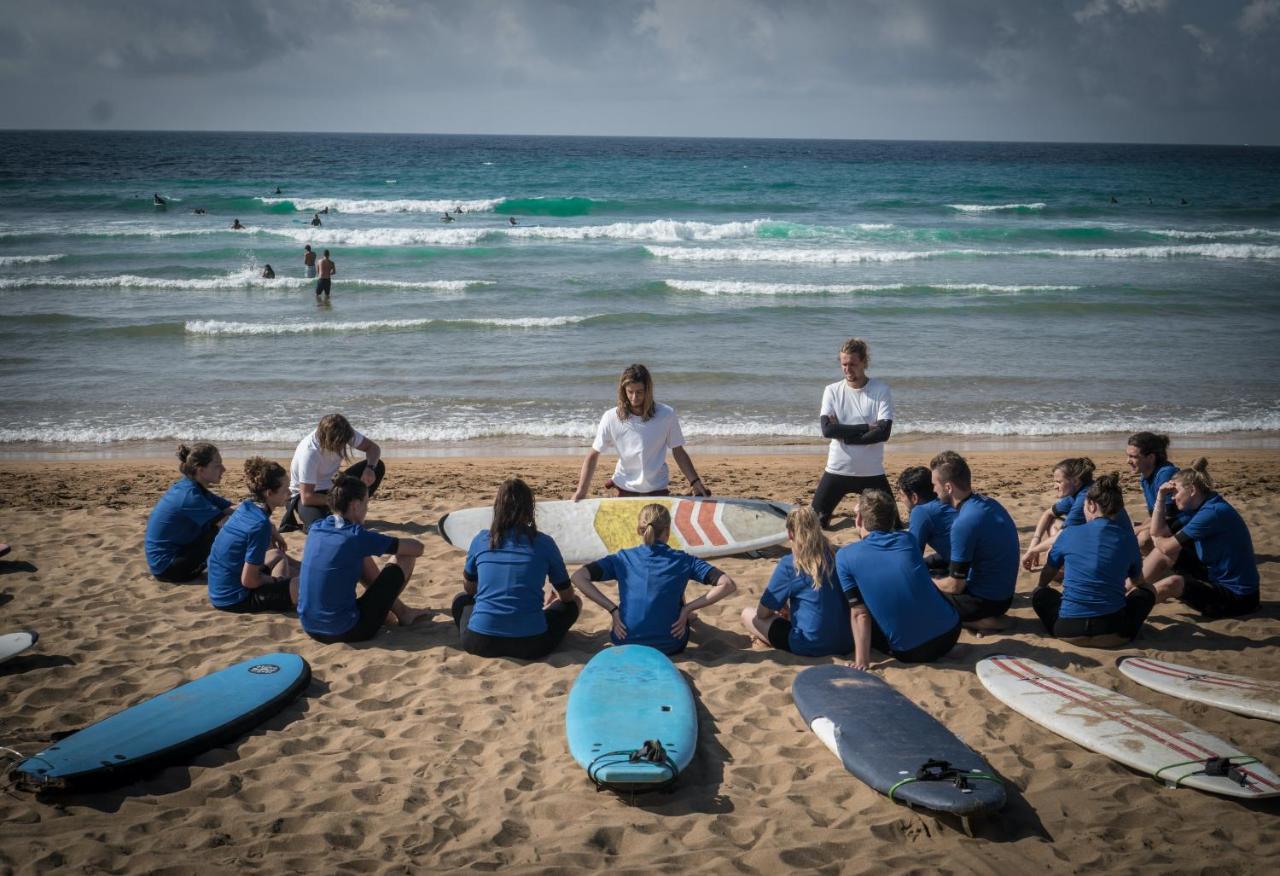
446	217
1113	200
268	273
309	261
641	430
278	192
315	221
458	209
199	211
236	226
161	202
511	219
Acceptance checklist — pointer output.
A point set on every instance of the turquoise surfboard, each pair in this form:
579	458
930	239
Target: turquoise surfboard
625	697
167	728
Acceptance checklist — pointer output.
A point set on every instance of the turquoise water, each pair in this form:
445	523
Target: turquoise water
1003	293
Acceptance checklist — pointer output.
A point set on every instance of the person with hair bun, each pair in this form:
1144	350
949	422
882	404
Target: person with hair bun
805	583
1071	480
1095	558
249	567
652	578
182	526
501	611
339	552
1148	457
1223	582
315	465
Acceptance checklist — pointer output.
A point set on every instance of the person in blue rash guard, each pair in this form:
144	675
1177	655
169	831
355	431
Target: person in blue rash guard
984	546
184	523
1096	558
501	611
1218	536
928	517
651	582
805	583
1148	456
249	567
1071	478
894	606
340	552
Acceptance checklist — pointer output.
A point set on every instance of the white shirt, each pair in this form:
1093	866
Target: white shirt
314	466
642	447
853	407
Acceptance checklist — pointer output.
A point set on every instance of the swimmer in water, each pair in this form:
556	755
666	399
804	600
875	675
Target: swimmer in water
161	202
511	219
236	226
268	273
325	211
315	220
446	217
199	211
278	192
1113	200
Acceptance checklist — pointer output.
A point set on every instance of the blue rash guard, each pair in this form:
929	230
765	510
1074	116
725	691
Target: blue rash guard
509	583
1223	544
930	523
244	538
331	564
984	536
1096	558
885	572
819	617
179	517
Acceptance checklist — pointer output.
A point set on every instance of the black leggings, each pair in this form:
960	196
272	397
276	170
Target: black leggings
560	617
833	487
1047	601
309	514
927	652
190	562
374	604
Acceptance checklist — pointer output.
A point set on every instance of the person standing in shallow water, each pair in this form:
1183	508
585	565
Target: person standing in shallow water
327	270
309	261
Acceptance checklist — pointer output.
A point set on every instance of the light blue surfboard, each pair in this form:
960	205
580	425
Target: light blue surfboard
624	697
188	719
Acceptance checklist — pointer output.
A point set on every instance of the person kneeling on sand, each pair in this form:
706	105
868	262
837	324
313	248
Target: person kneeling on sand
983	571
804	583
1071	479
340	552
651	582
184	523
249	567
501	611
1223	582
1096	558
316	461
894	606
928	517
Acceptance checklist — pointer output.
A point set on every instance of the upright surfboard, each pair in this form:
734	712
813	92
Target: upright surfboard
13	644
889	743
593	528
1137	735
167	728
1235	693
626	698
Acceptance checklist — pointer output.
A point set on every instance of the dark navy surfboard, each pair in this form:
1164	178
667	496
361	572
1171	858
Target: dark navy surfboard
188	719
888	742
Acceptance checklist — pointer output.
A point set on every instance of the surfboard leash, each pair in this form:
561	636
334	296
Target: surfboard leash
942	771
651	752
1228	766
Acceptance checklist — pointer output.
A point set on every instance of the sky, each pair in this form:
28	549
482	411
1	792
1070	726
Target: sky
1180	71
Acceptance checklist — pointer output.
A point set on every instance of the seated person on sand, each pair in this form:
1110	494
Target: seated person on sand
893	604
1096	558
249	567
1148	456
641	430
1071	479
984	546
185	521
339	552
1216	571
929	518
651	582
804	582
501	611
315	465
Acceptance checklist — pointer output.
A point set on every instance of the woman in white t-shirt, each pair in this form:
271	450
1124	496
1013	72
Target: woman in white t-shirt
641	431
316	462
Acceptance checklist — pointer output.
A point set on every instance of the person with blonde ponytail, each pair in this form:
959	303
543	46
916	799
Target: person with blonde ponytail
1216	570
249	567
1071	479
652	578
805	582
184	523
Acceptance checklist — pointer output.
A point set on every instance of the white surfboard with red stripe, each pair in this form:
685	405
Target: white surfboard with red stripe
1235	693
593	528
1135	734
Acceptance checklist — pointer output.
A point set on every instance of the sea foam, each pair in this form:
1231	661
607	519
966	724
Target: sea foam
219	327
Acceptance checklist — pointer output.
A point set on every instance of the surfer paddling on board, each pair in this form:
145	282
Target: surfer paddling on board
641	430
857	415
158	201
983	571
501	611
652	578
928	517
315	465
184	523
804	582
249	567
339	552
893	605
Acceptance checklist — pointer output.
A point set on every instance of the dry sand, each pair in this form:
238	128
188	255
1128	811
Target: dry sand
407	754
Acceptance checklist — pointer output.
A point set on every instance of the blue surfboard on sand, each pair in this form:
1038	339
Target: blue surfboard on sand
888	742
188	719
626	697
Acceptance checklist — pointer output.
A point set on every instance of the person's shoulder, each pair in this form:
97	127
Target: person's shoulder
544	541
876	385
610	417
788	564
834	388
662	411
479	541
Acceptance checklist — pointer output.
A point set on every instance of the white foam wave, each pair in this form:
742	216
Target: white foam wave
249	279
658	229
875	226
1228	234
396	205
219	327
378	236
741	287
5	261
992	208
848	256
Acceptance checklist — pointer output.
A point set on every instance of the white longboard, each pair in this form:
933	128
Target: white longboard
593	528
1235	693
1137	735
13	644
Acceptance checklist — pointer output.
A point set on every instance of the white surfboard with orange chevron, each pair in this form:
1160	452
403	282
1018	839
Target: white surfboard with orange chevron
593	528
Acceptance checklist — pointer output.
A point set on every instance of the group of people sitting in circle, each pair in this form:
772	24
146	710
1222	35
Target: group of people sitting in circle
904	591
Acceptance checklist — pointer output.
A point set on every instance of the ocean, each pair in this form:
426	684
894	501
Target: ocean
1003	291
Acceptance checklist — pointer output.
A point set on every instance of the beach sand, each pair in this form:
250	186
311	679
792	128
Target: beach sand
408	755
